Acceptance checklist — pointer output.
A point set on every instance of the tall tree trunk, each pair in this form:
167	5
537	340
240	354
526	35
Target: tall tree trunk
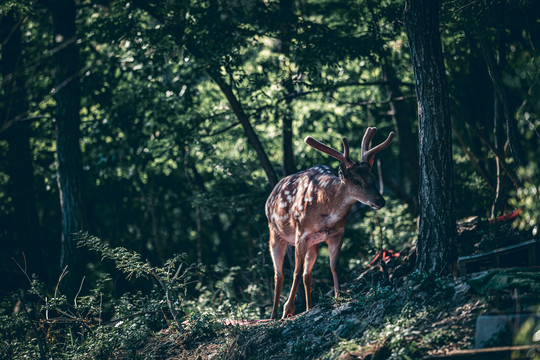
68	151
19	157
287	17
436	245
499	141
401	116
288	165
512	132
408	153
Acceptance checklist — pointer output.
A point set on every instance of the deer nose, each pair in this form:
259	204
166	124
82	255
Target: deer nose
380	202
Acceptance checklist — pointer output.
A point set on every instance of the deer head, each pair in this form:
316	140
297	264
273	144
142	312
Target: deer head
357	176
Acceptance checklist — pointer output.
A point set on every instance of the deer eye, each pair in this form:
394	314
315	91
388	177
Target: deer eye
356	182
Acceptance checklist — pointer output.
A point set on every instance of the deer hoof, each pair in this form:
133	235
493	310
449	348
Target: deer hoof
288	311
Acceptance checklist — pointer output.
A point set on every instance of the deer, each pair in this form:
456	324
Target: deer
311	207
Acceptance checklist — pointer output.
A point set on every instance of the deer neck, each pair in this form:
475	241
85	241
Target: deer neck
348	200
338	202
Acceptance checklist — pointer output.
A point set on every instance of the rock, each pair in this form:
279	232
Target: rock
460	292
505	329
343	309
506	288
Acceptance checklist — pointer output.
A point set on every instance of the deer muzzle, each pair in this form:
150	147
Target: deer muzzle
377	204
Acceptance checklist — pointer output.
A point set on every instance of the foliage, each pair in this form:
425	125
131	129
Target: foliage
528	198
389	228
97	325
233	292
431	284
91	327
168	168
173	276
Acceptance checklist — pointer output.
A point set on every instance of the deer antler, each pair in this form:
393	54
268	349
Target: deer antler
344	158
367	153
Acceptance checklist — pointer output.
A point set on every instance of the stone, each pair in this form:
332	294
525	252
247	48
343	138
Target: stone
505	329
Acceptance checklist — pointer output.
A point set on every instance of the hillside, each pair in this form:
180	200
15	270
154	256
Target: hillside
378	317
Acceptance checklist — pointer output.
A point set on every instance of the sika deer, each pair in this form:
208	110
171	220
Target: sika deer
312	206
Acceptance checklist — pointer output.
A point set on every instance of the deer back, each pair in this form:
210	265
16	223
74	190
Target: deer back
308	202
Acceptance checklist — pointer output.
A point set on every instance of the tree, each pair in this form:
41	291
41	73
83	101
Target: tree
436	245
25	224
69	159
177	31
407	186
287	18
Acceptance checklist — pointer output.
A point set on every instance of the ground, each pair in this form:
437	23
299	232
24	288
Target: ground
386	312
382	323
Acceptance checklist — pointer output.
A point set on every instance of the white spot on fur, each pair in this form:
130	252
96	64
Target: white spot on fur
332	218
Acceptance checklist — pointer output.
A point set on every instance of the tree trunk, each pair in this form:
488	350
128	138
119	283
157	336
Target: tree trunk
501	189
25	222
408	154
401	116
499	118
287	17
512	132
288	163
68	152
242	117
436	245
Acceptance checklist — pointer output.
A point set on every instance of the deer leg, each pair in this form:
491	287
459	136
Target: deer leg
311	256
299	256
277	251
334	248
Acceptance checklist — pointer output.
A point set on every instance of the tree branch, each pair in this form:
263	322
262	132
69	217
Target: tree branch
500	158
471	157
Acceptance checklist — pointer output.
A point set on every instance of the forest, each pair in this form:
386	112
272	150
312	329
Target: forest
140	141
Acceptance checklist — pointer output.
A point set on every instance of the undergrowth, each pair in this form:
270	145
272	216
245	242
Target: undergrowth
39	324
180	303
180	315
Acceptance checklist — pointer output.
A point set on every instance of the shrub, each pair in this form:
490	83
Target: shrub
96	325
